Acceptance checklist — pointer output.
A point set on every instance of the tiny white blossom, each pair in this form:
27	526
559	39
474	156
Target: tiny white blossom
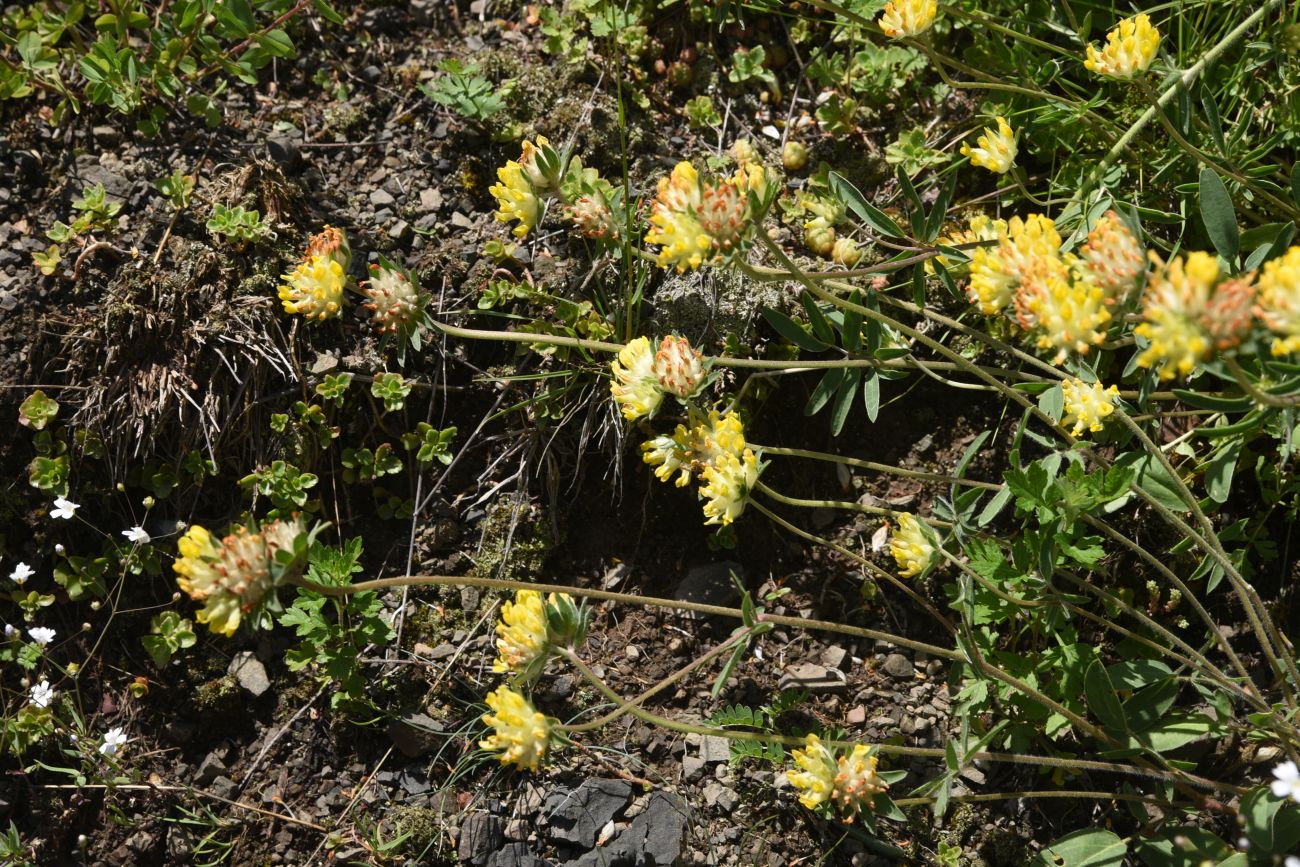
58	548
63	508
21	573
1287	783
1291	861
10	630
136	535
42	694
42	635
113	739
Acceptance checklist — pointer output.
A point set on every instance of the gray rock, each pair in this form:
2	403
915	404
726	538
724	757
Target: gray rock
399	230
382	199
663	825
718	795
714	749
430	200
212	766
899	666
574	816
249	672
415	734
481	835
460	221
692	768
283	150
836	657
517	855
709	584
817	679
223	787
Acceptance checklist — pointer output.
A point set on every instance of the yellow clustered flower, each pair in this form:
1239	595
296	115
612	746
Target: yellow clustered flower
233	575
980	228
1279	300
715	452
694	222
516	199
1173	311
1130	48
636	389
314	288
522	733
1087	404
1058	296
521	632
996	149
678	368
913	546
728	482
1112	258
850	780
332	243
908	17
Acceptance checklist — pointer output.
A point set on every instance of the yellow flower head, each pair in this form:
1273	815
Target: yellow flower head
521	633
1112	257
1279	300
913	546
678	367
516	199
691	451
1173	309
233	576
729	480
683	243
997	148
1031	247
992	285
1230	313
907	17
528	163
635	387
817	778
1130	48
980	228
694	222
819	236
314	288
522	734
1087	404
1067	314
856	781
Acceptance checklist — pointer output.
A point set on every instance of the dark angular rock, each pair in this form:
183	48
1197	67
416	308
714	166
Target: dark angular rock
709	584
576	815
517	855
481	835
415	734
663	825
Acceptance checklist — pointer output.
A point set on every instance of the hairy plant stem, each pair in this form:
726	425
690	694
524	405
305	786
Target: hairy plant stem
1255	392
872	465
894	749
630	598
837	504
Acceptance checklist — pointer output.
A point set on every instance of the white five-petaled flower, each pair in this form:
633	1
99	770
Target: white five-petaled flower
63	508
1287	783
21	573
136	535
42	635
42	694
113	739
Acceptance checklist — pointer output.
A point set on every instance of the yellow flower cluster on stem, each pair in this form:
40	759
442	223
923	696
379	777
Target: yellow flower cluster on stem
1064	300
995	149
1279	300
849	781
232	576
913	545
908	17
1087	405
643	376
1173	312
694	221
525	635
1130	48
521	733
713	450
315	287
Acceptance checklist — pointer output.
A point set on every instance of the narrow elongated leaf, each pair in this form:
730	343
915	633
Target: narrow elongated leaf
821	327
871	395
825	390
1102	700
1219	216
1220	469
1210	401
940	210
1212	116
851	334
844	399
865	211
792	331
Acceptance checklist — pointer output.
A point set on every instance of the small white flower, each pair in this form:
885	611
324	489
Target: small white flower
41	694
136	535
63	508
42	635
58	548
21	573
1287	783
10	630
1291	861
113	739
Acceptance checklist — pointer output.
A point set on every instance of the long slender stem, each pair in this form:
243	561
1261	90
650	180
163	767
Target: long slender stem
837	504
872	465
